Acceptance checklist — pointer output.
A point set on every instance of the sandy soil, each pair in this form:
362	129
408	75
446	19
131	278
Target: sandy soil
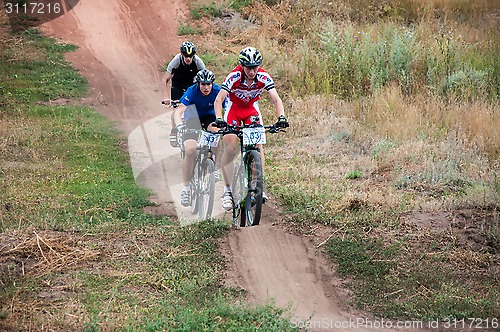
122	44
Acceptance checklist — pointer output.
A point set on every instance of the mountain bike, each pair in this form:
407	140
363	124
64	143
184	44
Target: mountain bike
202	181
247	185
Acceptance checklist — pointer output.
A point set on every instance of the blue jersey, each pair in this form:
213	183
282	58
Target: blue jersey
204	104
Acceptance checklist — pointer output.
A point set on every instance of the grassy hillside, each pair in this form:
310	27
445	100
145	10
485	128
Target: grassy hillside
77	250
392	159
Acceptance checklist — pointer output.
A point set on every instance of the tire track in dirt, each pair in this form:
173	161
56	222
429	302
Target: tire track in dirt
122	44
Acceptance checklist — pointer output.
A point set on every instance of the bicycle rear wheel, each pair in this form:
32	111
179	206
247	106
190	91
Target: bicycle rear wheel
207	189
252	207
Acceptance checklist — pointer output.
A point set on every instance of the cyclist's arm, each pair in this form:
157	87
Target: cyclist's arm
169	73
218	103
164	86
278	103
178	114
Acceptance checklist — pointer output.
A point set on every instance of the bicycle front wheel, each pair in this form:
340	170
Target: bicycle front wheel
237	189
195	188
252	207
207	189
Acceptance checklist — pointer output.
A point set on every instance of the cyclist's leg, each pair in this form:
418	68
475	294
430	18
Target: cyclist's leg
231	144
231	147
218	156
190	144
175	94
187	170
188	162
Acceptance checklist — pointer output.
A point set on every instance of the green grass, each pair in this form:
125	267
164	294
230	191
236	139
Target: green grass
240	4
366	60
70	165
187	29
207	10
82	253
33	69
354	174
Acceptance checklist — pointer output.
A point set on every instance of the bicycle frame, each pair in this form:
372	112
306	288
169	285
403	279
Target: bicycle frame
247	182
203	170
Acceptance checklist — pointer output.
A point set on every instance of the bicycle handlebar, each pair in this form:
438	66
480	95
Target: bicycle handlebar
232	129
196	131
237	130
173	103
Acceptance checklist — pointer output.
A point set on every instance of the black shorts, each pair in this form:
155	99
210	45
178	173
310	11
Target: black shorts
198	123
176	92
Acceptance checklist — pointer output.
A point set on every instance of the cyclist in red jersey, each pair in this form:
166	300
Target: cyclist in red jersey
243	87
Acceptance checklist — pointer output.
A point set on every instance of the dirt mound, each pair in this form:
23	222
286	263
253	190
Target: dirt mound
465	227
271	263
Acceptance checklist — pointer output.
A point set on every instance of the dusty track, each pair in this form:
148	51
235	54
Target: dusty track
122	45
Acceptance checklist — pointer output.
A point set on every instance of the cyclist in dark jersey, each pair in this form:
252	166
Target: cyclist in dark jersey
181	71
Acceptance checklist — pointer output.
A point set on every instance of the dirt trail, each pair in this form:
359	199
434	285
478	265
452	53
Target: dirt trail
122	43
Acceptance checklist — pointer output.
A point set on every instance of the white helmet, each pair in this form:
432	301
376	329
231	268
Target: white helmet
250	57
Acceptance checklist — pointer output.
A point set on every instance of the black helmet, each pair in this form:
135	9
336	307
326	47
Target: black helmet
205	76
188	48
250	57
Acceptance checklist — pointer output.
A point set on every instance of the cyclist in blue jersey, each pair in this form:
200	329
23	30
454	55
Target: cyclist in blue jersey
202	95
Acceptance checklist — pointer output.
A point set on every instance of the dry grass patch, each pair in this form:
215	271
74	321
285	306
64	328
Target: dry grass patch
36	274
401	118
325	149
43	252
54	273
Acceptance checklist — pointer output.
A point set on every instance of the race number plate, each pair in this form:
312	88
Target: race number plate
254	135
209	139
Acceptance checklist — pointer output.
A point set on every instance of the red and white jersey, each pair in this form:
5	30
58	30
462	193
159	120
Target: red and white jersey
244	93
